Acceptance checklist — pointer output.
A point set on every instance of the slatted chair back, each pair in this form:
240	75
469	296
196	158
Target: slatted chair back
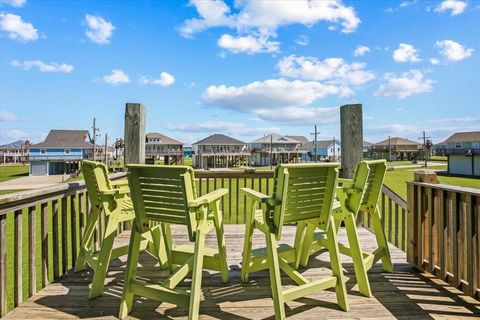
162	194
373	188
358	192
304	192
96	180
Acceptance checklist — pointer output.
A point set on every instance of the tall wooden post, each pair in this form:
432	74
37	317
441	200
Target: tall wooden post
351	127
135	119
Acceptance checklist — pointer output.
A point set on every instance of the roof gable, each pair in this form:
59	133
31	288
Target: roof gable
163	139
396	141
219	139
65	139
472	136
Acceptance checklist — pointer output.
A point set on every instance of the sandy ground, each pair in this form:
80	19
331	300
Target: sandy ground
31	182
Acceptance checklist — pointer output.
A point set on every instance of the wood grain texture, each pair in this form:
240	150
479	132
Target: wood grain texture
351	131
134	137
406	294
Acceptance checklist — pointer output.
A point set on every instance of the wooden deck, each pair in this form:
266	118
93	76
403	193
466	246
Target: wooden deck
406	294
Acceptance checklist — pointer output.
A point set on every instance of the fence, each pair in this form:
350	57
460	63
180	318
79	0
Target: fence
444	233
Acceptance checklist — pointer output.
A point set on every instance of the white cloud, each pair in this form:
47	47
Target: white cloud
454	120
452	50
406	53
116	77
16	28
405	4
165	80
14	3
248	44
454	6
276	100
98	29
302	40
229	128
261	15
407	84
361	50
434	61
13	134
7	116
42	66
331	70
255	20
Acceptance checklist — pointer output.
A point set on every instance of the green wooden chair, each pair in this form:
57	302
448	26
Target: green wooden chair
358	194
110	199
168	195
302	193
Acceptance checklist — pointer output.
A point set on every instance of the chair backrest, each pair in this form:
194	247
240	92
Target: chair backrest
354	200
374	184
305	192
96	180
162	193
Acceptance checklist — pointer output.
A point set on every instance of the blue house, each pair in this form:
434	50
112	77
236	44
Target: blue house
61	152
327	150
187	151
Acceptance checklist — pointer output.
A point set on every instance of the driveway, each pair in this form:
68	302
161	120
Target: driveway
31	182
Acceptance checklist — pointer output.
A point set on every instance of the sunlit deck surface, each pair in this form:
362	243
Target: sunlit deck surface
406	294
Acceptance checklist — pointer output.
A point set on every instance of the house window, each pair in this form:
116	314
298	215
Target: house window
458	145
67	151
43	151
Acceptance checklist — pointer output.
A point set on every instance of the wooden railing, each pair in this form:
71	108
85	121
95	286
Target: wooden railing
393	212
444	233
40	230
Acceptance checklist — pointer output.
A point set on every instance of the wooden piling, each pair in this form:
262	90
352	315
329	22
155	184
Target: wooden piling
351	127
135	119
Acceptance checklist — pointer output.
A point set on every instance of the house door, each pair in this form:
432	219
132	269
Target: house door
39	169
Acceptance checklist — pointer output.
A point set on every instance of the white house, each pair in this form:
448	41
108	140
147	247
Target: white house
463	152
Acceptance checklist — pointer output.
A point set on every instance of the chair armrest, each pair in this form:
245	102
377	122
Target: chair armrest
122	190
345	182
208	198
258	196
120	183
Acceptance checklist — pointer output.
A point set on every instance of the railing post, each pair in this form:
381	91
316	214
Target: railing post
351	131
135	118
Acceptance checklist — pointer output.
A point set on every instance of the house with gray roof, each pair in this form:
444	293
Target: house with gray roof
397	149
61	152
274	148
326	150
161	147
220	151
14	152
463	152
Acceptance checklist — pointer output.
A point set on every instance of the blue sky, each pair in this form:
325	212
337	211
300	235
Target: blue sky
241	68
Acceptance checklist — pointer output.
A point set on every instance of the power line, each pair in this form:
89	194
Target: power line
315	134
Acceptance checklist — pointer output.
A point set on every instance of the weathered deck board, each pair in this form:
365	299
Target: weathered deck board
406	294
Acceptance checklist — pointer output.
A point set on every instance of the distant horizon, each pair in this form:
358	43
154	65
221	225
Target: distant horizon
243	69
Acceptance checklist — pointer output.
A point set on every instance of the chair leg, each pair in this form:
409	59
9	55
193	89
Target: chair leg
222	247
157	247
382	241
130	273
307	244
195	292
247	246
299	242
167	240
104	258
86	240
340	288
275	278
357	257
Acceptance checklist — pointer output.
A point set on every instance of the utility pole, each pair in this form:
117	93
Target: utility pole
425	152
271	150
389	150
94	128
334	149
315	134
105	149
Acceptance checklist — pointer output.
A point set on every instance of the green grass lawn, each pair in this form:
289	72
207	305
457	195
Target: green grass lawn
396	180
13	172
